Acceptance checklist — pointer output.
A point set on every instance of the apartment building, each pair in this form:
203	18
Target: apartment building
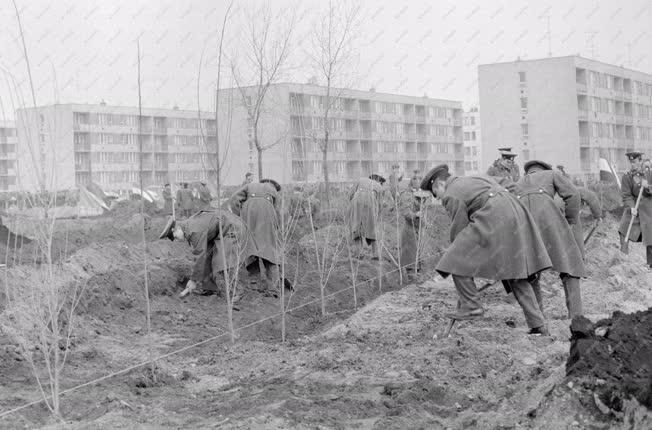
472	143
80	143
566	110
8	141
369	132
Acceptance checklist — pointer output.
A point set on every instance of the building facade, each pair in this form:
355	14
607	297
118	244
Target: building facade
369	132
565	110
472	143
67	145
8	142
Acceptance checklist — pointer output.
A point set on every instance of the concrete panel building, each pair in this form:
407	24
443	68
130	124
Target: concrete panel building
66	145
473	164
565	110
369	132
8	142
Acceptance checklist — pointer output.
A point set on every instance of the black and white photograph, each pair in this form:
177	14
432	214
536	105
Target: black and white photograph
325	214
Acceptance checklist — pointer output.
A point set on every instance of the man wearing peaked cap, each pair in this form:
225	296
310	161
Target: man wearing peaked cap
505	166
633	180
561	233
211	247
492	236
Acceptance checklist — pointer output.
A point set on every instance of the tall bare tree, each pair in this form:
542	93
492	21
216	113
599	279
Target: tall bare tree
333	55
265	58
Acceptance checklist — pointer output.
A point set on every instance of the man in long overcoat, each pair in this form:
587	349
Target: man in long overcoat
631	184
215	251
505	166
185	201
493	236
167	199
204	196
365	197
256	204
536	191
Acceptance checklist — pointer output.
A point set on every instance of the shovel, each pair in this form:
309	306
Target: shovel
451	323
624	248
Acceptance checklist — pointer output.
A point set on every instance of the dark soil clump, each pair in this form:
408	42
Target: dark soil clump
616	354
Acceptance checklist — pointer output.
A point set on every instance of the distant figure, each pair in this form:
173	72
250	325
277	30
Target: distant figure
256	203
505	166
364	211
167	199
185	202
249	177
561	170
394	180
204	197
411	232
415	181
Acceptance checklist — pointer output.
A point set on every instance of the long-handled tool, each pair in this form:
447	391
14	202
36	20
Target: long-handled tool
451	323
588	236
625	246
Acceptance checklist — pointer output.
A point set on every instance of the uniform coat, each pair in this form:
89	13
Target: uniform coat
256	204
536	192
202	231
493	236
185	199
204	197
503	169
364	209
167	201
642	226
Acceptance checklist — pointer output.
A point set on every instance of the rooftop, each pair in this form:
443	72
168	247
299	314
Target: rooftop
567	56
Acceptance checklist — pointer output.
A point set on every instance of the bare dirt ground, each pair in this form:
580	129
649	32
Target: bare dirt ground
374	367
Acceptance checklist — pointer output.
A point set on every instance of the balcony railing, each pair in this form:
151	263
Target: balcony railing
582	114
585	140
581	87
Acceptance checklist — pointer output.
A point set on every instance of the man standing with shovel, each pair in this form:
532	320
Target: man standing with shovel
636	223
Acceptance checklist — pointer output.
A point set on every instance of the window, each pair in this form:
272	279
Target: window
467	151
473	135
521	77
523	102
524	130
475	165
475	151
467	165
467	135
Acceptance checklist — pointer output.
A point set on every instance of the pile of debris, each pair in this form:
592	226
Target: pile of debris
614	358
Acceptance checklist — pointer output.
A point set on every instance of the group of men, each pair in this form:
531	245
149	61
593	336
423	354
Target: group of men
188	200
241	233
505	227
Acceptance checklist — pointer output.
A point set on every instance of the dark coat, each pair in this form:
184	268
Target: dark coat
203	234
493	236
204	197
642	226
502	169
536	192
167	201
365	208
185	199
256	203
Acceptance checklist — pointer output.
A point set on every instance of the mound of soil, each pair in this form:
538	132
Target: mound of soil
127	208
617	353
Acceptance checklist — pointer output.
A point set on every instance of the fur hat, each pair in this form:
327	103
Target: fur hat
633	155
376	177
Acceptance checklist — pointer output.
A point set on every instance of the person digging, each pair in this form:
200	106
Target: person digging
636	223
536	191
492	236
215	251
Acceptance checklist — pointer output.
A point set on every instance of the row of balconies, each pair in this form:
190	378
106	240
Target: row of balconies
367	135
357	114
378	156
146	129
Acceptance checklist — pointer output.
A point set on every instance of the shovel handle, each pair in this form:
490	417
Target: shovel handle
631	221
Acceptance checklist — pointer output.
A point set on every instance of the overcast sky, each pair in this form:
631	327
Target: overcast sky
85	51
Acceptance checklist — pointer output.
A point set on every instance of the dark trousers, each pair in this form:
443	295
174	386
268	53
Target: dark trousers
648	254
523	292
572	292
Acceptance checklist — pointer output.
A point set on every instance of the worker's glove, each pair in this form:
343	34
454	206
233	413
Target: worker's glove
190	287
634	212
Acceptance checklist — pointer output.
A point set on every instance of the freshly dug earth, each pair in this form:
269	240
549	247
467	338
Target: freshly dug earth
618	352
372	367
